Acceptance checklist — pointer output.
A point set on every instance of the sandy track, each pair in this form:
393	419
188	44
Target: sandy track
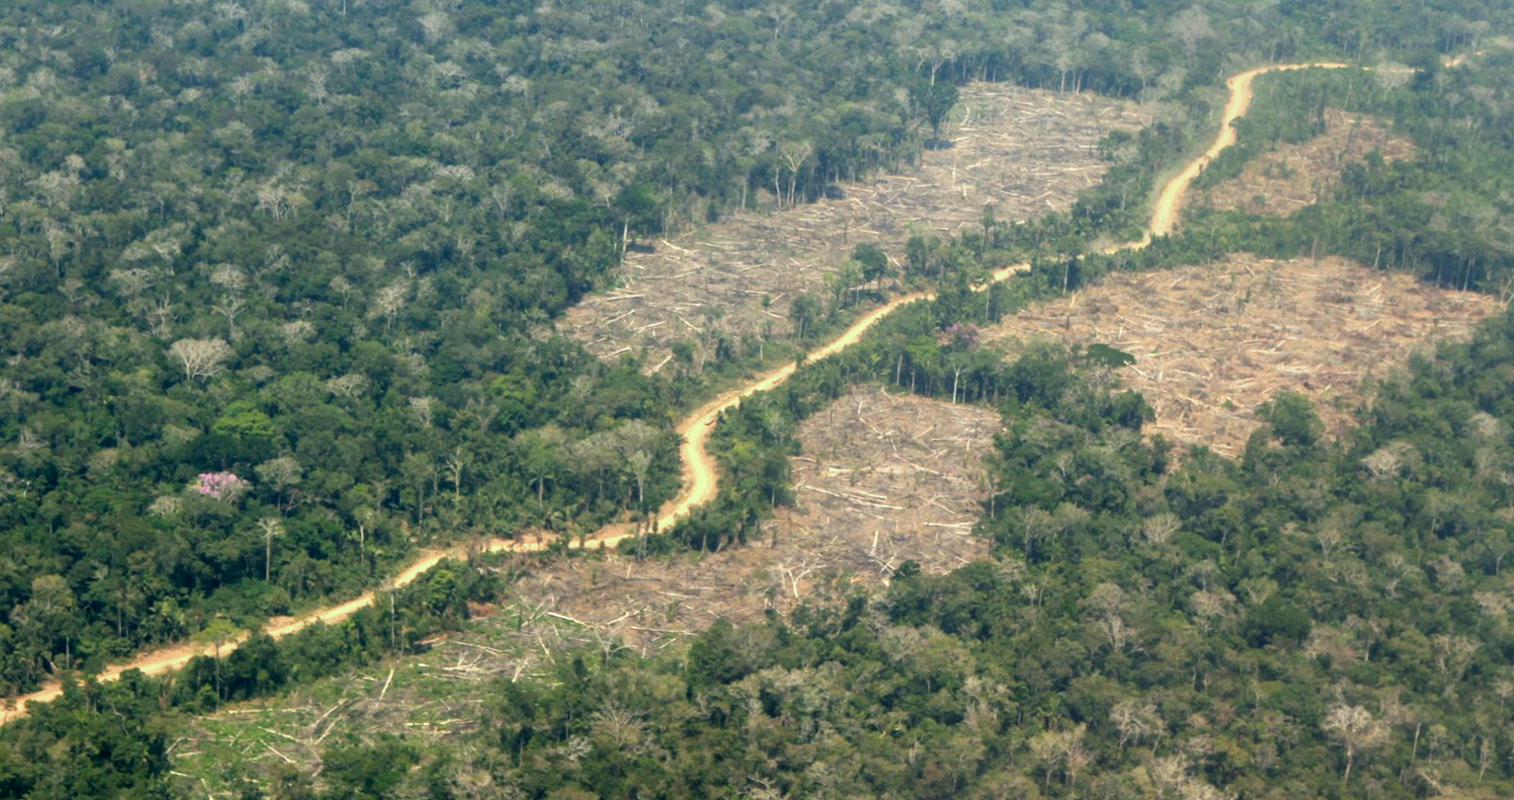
1164	216
701	480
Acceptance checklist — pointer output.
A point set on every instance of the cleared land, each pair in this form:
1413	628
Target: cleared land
1022	152
882	479
1296	175
1213	342
893	478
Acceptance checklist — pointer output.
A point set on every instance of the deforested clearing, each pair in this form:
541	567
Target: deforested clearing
1293	176
890	478
881	479
1019	152
1213	342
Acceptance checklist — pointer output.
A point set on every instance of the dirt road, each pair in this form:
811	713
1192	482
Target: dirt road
700	477
1165	214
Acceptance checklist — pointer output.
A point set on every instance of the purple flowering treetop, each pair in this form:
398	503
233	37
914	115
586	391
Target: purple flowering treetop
960	335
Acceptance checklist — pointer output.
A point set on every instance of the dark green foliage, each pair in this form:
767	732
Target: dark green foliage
1149	613
1202	590
94	741
106	740
360	770
1104	355
1276	621
873	260
715	657
1433	215
1292	419
934	98
804	311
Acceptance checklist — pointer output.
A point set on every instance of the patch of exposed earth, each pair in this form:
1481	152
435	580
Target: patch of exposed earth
881	479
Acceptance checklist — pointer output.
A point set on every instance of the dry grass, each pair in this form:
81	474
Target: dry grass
1293	176
1023	152
1214	342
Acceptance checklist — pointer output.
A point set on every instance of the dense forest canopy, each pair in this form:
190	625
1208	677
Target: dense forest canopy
276	282
306	245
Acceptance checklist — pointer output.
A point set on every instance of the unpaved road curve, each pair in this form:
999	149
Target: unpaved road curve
700	476
1165	214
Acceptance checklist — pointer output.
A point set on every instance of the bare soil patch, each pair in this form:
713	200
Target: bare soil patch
1023	152
1297	175
1213	342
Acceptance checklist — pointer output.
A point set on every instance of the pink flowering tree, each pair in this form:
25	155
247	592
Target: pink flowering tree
219	485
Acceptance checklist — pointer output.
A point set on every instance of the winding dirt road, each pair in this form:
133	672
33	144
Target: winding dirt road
1165	214
700	477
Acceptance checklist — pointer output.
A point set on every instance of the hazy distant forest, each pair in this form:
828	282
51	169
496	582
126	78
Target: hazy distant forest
276	288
